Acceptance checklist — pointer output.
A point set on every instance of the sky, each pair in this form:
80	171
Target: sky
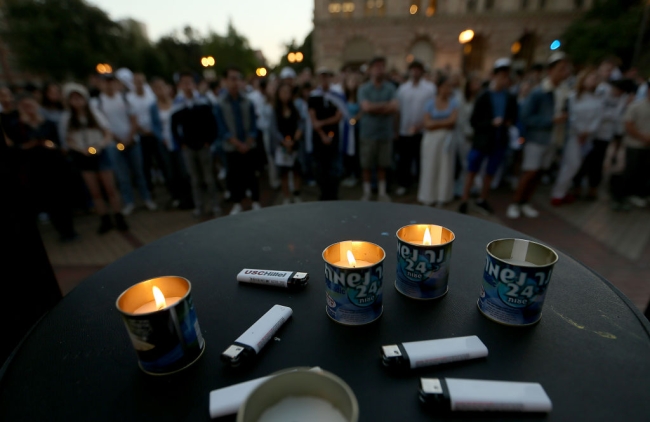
268	24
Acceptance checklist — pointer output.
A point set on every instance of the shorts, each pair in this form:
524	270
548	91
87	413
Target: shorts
475	158
537	156
285	170
94	163
374	153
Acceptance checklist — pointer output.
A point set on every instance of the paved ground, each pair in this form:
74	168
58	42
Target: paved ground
616	245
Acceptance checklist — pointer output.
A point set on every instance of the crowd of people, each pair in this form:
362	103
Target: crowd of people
439	133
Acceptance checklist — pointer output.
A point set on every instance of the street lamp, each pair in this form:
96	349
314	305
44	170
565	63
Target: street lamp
103	68
207	61
466	36
260	71
295	57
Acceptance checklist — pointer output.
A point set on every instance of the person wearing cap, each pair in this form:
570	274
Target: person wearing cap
326	109
495	111
544	110
127	155
288	75
637	151
378	103
412	96
88	140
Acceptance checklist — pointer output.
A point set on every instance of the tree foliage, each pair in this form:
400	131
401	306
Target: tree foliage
305	48
610	27
67	38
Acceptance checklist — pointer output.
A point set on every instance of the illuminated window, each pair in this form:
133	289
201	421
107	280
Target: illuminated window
375	7
334	7
432	7
472	5
414	8
489	4
347	8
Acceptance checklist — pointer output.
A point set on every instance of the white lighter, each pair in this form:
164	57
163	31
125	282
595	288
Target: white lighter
287	279
253	340
432	352
453	394
227	400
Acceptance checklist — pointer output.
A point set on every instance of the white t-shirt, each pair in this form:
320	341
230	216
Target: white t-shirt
140	106
638	113
412	99
117	113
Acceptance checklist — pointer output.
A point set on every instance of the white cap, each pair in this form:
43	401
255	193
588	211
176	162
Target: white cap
125	76
502	62
556	57
71	87
324	71
287	73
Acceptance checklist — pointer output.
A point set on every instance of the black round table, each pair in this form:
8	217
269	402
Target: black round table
590	352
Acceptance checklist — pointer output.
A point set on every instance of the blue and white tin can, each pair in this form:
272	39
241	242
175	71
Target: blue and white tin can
423	261
515	278
354	273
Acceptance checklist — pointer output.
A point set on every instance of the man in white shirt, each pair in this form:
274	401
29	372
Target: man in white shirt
412	96
637	151
140	101
127	156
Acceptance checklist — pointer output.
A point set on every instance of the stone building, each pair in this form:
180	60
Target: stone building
349	32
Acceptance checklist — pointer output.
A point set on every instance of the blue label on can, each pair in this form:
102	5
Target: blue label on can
422	272
354	295
513	294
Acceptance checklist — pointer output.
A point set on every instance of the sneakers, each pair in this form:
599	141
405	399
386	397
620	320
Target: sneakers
128	209
197	213
400	191
567	199
638	201
236	209
256	206
514	211
222	174
529	211
463	208
106	224
349	182
120	223
151	206
384	198
286	201
365	197
484	208
297	200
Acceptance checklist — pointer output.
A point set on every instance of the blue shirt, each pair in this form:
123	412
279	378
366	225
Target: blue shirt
430	108
499	101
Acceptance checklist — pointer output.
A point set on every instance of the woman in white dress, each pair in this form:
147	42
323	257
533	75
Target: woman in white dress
437	154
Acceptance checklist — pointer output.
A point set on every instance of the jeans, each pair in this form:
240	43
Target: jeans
327	170
592	167
637	171
199	165
408	152
127	164
241	176
151	151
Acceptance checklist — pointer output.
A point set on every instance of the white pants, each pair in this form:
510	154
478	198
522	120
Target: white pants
572	158
437	162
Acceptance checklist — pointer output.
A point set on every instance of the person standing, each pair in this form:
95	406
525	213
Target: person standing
437	156
237	134
286	138
88	140
174	169
140	101
543	110
9	115
194	128
378	104
351	165
495	111
637	151
127	154
325	112
585	113
412	96
43	166
52	106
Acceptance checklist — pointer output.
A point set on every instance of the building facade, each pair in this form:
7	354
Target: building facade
350	32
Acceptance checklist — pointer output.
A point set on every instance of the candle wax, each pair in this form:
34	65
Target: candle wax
346	264
302	409
151	306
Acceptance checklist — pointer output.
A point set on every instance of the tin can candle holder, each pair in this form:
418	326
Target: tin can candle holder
161	322
423	261
354	272
515	279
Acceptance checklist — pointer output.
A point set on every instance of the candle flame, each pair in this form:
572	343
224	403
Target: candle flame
159	297
351	259
427	237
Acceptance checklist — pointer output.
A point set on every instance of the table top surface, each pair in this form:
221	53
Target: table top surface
590	351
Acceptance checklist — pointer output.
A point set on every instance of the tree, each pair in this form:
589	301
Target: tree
233	49
61	38
610	27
